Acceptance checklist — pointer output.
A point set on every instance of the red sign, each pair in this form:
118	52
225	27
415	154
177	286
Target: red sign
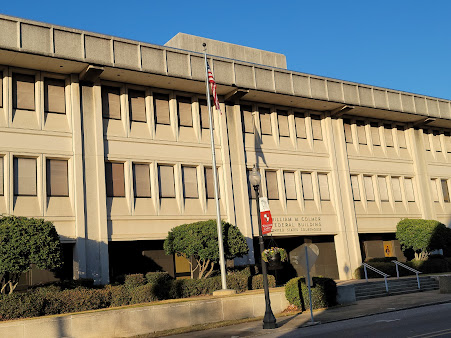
266	222
265	216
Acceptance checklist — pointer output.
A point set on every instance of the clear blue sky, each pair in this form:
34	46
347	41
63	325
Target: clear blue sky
398	44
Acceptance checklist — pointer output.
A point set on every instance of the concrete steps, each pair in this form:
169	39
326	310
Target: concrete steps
395	287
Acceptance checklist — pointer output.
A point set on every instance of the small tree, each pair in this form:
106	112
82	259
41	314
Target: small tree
422	236
199	241
23	242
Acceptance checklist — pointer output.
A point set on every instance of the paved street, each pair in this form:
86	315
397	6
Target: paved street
424	314
428	321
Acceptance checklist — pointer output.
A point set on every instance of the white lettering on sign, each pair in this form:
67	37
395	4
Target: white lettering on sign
297	224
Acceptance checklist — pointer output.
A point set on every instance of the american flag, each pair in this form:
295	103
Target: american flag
211	80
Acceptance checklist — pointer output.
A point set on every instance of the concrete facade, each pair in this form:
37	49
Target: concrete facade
338	159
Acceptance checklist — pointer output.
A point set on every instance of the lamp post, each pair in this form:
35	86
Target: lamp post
269	321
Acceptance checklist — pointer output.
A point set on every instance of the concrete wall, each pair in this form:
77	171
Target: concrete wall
139	320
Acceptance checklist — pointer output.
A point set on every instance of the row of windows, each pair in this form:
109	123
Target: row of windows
138	110
25	177
292	190
284	118
367	186
115	180
376	132
441	185
432	139
24	96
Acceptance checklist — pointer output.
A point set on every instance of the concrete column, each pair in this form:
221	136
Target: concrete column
239	179
96	236
77	181
346	240
415	141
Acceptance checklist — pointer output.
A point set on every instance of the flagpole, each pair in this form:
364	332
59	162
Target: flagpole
215	178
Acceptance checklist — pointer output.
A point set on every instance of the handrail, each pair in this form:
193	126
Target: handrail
408	268
365	266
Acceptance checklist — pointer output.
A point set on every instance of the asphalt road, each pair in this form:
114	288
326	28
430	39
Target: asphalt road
422	322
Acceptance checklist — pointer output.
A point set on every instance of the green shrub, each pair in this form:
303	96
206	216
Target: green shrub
257	282
158	277
142	294
134	280
434	265
430	266
119	295
324	292
23	305
161	284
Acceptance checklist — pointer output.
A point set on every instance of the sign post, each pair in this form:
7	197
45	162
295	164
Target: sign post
304	257
265	216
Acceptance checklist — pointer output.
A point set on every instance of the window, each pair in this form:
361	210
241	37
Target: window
210	184
445	190
374	126
114	177
383	190
184	111
137	105
2	178
284	130
161	106
369	190
361	133
410	192
397	195
290	185
316	127
448	141
54	96
323	183
401	137
436	140
427	144
388	135
307	186
141	180
166	181
348	130
204	116
271	185
248	119
265	121
24	176
190	189
57	178
23	91
299	120
355	187
111	103
434	190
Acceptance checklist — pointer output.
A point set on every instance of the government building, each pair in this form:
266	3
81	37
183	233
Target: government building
109	139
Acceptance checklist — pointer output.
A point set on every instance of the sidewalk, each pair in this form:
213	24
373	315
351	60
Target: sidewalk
359	309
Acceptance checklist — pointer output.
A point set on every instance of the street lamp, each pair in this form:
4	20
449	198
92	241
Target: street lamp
269	321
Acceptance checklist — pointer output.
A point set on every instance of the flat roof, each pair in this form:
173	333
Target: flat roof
31	44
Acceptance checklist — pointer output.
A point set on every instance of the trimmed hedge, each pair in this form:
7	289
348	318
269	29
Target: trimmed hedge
435	265
324	292
68	297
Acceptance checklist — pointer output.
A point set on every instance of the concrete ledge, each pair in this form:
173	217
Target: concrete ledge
137	320
445	284
346	294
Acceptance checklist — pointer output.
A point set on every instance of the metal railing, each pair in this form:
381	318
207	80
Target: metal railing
408	268
365	266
